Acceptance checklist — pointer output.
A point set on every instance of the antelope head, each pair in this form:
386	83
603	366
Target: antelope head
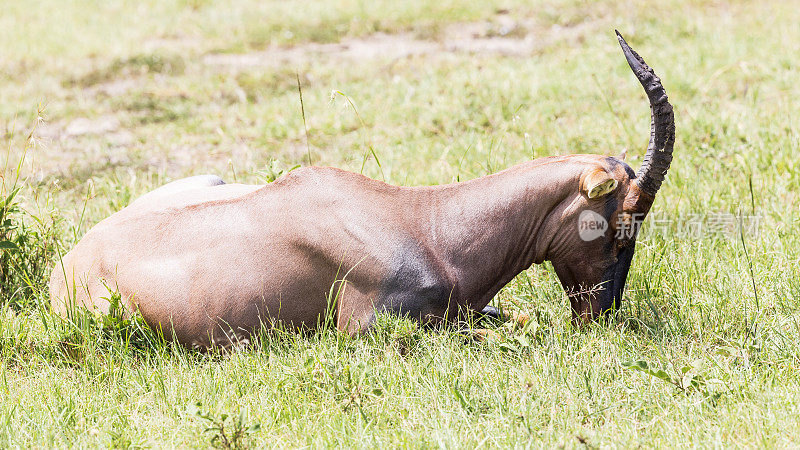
594	242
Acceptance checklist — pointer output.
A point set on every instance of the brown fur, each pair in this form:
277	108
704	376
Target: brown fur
213	263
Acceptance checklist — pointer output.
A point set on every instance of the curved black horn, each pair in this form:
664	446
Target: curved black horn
662	124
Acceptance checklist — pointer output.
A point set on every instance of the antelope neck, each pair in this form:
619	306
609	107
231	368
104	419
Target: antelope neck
489	229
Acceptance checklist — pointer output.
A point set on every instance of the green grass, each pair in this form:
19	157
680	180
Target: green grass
704	351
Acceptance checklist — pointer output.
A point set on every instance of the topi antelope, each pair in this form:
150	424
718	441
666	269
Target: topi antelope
211	262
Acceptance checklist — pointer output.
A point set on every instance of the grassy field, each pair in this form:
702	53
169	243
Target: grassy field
107	100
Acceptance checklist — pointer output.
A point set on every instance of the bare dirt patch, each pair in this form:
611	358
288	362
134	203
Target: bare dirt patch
83	125
103	125
503	36
115	88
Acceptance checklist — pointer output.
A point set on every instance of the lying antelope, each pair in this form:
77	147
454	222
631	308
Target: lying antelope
212	262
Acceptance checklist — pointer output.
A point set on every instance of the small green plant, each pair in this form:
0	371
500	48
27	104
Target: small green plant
688	378
402	334
226	432
516	343
119	330
125	327
273	170
27	242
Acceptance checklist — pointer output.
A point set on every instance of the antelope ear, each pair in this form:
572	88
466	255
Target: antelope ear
597	183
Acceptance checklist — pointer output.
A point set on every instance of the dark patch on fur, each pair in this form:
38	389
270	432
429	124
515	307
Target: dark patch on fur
415	286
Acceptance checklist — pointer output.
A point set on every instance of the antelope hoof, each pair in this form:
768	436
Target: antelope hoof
492	312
